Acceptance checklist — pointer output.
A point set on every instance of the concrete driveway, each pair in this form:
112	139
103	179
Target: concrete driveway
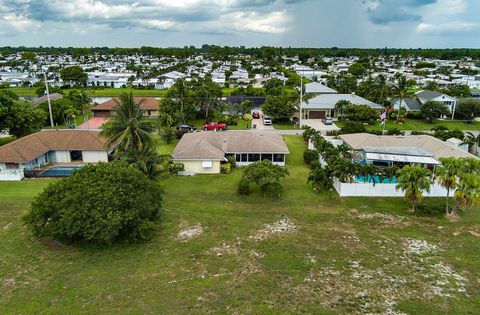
259	122
318	125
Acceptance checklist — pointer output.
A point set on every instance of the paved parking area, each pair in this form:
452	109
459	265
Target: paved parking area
318	125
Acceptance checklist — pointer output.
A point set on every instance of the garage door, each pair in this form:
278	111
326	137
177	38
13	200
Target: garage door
316	114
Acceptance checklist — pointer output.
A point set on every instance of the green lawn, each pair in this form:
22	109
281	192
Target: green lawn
285	126
104	92
242	124
418	124
346	256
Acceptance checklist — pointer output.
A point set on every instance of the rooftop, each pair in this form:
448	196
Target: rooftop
145	103
214	145
328	101
32	146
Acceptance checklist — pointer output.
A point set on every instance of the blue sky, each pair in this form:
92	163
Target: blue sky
298	23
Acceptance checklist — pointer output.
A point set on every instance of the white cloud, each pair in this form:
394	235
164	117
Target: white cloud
272	23
448	27
19	22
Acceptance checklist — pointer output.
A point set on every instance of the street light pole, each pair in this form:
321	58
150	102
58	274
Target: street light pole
48	99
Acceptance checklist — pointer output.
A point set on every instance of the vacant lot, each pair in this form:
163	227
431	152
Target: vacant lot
218	252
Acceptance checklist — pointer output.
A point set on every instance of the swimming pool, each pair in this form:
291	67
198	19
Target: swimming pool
60	170
376	179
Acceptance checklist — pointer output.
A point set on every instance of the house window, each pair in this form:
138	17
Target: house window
267	156
244	157
238	157
11	165
279	157
207	164
253	157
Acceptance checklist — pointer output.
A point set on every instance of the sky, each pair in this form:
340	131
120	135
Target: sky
251	23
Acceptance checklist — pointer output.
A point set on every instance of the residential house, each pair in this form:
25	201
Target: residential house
316	88
323	105
51	146
416	103
105	109
203	152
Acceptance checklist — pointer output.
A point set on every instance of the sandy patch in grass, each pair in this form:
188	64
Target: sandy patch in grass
282	226
352	287
190	232
384	218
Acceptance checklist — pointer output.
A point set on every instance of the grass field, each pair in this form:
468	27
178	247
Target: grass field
418	124
282	126
343	256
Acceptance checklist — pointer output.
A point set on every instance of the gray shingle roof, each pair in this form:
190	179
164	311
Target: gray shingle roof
328	101
428	95
214	145
413	104
315	87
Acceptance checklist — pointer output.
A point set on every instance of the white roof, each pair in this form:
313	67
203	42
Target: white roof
401	158
315	87
328	101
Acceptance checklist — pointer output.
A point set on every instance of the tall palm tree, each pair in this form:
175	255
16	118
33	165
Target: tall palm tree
381	90
413	180
447	175
402	91
472	141
128	129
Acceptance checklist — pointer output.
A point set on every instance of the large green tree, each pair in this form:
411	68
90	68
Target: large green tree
74	75
447	175
99	204
468	109
24	119
281	107
432	110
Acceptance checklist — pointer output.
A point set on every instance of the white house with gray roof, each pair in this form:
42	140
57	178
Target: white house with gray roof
324	105
421	97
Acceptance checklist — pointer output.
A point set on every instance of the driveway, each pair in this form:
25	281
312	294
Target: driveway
318	125
259	122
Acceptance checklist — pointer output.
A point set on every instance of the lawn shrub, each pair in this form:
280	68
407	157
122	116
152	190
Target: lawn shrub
232	161
424	209
244	187
353	127
225	168
168	134
394	131
175	168
272	189
99	204
309	156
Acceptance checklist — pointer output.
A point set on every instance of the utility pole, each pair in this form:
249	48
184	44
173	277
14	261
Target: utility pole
48	98
301	101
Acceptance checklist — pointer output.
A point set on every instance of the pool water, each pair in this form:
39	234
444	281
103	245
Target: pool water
376	179
61	170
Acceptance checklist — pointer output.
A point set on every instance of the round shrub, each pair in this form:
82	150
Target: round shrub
244	187
309	156
99	204
353	127
232	161
272	189
175	168
225	168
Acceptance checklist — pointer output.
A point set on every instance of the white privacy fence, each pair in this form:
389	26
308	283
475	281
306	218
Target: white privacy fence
381	190
11	175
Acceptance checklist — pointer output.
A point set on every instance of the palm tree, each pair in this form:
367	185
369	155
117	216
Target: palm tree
468	189
472	141
319	178
447	175
82	102
402	91
381	90
340	107
147	160
413	180
128	129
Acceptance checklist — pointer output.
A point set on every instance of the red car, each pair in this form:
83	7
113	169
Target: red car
256	115
214	126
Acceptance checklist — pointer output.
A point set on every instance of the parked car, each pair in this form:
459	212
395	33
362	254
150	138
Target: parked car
186	128
267	120
214	126
327	120
255	115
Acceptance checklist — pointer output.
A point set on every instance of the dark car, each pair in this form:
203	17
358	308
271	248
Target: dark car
327	120
186	128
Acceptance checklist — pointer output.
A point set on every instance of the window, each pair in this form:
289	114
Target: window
253	157
238	157
207	164
244	157
267	157
279	157
11	165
